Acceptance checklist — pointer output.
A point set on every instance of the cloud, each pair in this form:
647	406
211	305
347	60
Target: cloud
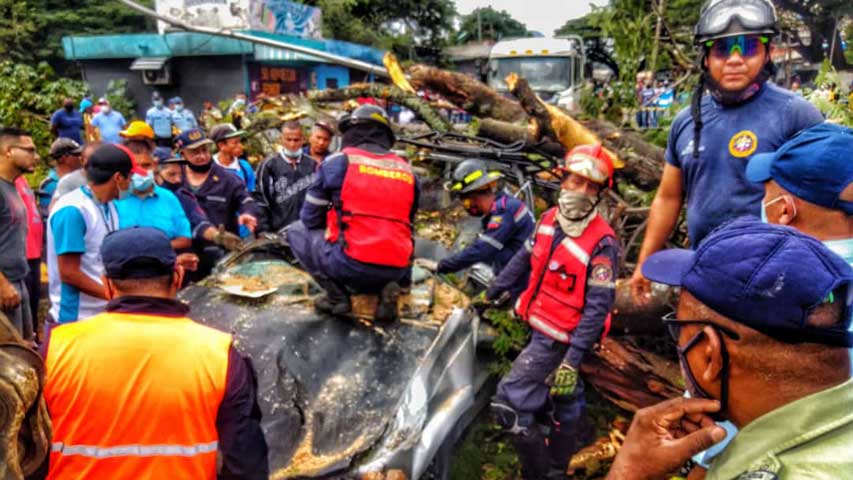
544	16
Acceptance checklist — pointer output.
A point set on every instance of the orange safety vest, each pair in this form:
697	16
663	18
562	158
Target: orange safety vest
554	299
377	196
135	396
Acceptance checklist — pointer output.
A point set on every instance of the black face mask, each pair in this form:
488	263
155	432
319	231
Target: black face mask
68	108
200	168
173	187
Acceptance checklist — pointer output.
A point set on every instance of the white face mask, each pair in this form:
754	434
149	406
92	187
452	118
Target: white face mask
291	153
105	108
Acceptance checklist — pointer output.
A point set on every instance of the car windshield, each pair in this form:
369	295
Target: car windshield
547	74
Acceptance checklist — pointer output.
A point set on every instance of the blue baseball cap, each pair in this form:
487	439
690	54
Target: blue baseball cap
138	252
814	165
175	100
767	277
191	138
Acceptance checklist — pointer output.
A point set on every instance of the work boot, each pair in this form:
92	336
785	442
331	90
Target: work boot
386	311
335	301
532	449
565	440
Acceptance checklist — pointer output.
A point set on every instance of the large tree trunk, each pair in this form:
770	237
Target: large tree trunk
643	160
467	93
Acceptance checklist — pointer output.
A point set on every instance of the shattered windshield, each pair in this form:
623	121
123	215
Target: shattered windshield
548	74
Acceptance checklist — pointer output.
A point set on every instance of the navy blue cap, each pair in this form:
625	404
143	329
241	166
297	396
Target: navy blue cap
162	154
138	252
191	138
768	277
814	165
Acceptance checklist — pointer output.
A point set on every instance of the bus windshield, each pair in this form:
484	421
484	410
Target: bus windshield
545	74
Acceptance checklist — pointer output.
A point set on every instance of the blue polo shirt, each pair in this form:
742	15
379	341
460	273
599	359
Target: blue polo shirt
160	210
160	120
68	125
715	183
109	124
184	120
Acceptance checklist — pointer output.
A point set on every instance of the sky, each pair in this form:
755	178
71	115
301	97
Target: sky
539	15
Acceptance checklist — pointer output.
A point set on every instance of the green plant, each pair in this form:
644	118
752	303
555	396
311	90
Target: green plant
835	112
512	336
28	97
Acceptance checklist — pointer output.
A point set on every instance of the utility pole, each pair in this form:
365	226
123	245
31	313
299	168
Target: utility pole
479	25
659	11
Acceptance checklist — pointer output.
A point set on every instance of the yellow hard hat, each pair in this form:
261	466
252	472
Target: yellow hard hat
138	129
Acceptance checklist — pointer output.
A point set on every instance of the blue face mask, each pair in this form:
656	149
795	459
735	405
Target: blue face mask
141	183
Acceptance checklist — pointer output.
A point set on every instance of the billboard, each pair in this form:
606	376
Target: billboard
275	16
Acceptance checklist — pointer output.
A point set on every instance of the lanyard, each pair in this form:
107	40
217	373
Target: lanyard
103	209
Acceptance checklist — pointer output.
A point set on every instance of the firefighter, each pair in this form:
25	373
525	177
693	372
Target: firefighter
356	223
571	264
507	223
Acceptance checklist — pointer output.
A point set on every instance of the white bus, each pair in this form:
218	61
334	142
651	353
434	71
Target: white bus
553	67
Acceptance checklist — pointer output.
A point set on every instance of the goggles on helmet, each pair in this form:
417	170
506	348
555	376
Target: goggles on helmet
745	45
588	167
752	16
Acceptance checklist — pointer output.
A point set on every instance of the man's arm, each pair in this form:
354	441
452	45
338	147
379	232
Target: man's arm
598	300
513	278
246	207
54	124
318	199
70	273
498	231
242	445
663	217
9	297
180	224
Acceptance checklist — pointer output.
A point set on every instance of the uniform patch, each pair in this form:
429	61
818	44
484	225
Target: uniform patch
496	219
743	144
601	273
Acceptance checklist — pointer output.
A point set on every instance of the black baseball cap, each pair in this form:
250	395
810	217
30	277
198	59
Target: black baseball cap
109	159
138	252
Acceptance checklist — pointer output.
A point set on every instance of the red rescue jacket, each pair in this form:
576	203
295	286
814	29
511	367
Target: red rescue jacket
554	299
373	218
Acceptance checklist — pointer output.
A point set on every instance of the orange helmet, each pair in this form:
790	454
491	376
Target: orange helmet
592	162
138	129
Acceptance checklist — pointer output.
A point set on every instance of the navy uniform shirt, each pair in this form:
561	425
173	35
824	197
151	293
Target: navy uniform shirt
715	184
195	214
600	289
223	196
242	447
505	229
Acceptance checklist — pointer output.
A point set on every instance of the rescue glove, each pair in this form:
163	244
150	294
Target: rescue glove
227	240
426	264
563	380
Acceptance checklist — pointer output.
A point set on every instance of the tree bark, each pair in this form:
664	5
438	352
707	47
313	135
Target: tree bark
643	161
388	92
467	93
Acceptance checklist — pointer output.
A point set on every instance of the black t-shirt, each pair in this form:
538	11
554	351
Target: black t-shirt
280	190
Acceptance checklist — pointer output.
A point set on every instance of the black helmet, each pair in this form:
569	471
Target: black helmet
471	175
724	18
366	114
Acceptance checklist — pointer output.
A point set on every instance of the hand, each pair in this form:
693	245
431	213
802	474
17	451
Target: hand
9	297
565	380
502	300
664	436
187	260
427	264
641	288
249	221
227	240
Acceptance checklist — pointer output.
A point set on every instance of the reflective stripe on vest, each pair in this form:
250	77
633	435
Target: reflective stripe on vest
373	218
554	299
135	396
134	450
491	241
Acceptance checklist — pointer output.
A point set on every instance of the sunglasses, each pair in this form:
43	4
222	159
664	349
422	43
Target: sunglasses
745	45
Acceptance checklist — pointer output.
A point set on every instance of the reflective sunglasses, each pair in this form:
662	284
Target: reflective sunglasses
745	45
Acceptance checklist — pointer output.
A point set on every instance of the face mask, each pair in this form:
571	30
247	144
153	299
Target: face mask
158	103
200	168
105	109
141	183
124	193
179	108
171	186
574	205
291	153
68	108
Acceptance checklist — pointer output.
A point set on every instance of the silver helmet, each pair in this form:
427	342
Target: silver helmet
724	18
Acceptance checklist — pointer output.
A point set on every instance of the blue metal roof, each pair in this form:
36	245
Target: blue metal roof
184	44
